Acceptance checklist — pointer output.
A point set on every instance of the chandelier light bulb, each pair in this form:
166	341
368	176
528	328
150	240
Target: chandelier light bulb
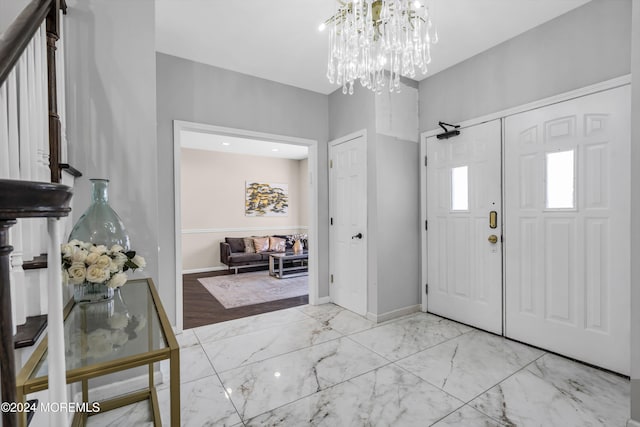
377	41
322	27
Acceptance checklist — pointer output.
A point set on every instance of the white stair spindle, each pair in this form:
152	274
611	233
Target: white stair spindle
57	366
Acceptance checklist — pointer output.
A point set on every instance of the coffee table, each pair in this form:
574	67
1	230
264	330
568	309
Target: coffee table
297	264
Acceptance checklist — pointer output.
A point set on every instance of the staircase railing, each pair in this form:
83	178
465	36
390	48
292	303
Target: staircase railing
30	170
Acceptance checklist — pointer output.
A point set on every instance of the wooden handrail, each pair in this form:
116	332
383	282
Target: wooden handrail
17	37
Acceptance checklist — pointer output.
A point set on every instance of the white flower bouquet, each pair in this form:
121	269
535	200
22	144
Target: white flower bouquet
86	262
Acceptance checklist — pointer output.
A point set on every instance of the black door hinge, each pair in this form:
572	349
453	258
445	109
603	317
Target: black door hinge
426	289
425	160
331	221
426	224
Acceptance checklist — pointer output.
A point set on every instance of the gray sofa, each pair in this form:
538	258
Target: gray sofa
232	253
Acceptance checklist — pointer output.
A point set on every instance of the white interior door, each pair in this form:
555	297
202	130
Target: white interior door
348	211
567	186
463	188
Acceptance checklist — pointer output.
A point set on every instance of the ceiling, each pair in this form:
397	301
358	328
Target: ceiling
237	145
279	39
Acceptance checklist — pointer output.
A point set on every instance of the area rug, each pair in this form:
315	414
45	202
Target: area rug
238	290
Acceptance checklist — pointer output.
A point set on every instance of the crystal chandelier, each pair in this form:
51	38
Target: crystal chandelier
367	37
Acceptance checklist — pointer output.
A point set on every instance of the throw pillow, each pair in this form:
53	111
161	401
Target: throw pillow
248	246
236	243
261	244
276	244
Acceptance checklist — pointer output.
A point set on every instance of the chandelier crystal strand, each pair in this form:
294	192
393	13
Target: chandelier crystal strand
368	38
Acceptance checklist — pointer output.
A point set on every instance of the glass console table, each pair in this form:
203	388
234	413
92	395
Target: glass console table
102	338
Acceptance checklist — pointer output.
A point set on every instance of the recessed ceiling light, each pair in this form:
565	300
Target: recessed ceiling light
322	27
226	143
274	149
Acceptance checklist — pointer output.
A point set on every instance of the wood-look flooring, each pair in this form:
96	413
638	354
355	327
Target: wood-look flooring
201	308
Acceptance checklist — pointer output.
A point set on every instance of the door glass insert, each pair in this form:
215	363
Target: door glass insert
560	180
460	188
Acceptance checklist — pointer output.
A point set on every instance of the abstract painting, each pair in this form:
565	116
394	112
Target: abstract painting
266	199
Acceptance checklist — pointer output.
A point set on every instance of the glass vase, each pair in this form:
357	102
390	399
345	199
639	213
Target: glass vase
88	292
100	224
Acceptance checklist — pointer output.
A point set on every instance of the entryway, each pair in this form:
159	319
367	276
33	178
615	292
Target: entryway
527	226
241	198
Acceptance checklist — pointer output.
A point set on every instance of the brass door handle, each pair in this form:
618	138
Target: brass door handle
493	238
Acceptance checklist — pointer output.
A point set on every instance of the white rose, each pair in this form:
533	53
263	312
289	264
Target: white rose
67	250
116	248
77	273
96	274
85	245
118	321
79	255
117	280
120	258
99	343
113	267
142	322
75	242
119	337
103	261
99	249
139	261
92	258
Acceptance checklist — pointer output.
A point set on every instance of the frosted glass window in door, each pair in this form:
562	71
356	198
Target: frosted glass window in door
560	177
460	188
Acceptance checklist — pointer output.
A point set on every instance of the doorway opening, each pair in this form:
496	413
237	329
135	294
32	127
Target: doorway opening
246	223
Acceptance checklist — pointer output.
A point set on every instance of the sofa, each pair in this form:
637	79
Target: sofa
235	254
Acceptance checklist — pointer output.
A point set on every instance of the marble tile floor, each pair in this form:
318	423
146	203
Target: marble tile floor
325	366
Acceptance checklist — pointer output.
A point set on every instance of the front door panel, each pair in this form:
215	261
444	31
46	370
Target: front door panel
567	186
464	260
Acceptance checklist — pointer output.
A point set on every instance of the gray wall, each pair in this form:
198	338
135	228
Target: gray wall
398	232
584	46
201	93
635	215
392	203
111	119
9	10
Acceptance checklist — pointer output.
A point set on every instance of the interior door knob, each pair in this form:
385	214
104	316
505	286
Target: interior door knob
493	238
357	236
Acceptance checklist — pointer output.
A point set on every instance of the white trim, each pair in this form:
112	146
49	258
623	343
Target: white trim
312	144
361	133
633	423
566	96
423	217
393	314
241	229
205	269
324	300
177	225
555	99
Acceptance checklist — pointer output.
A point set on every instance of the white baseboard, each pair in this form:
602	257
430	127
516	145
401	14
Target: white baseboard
379	318
205	269
119	388
632	423
324	300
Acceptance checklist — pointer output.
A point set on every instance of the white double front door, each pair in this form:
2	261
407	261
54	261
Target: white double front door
565	191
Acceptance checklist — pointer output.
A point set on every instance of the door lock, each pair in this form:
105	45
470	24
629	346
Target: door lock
357	236
493	238
493	219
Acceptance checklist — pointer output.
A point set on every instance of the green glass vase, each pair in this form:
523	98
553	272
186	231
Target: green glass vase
99	225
